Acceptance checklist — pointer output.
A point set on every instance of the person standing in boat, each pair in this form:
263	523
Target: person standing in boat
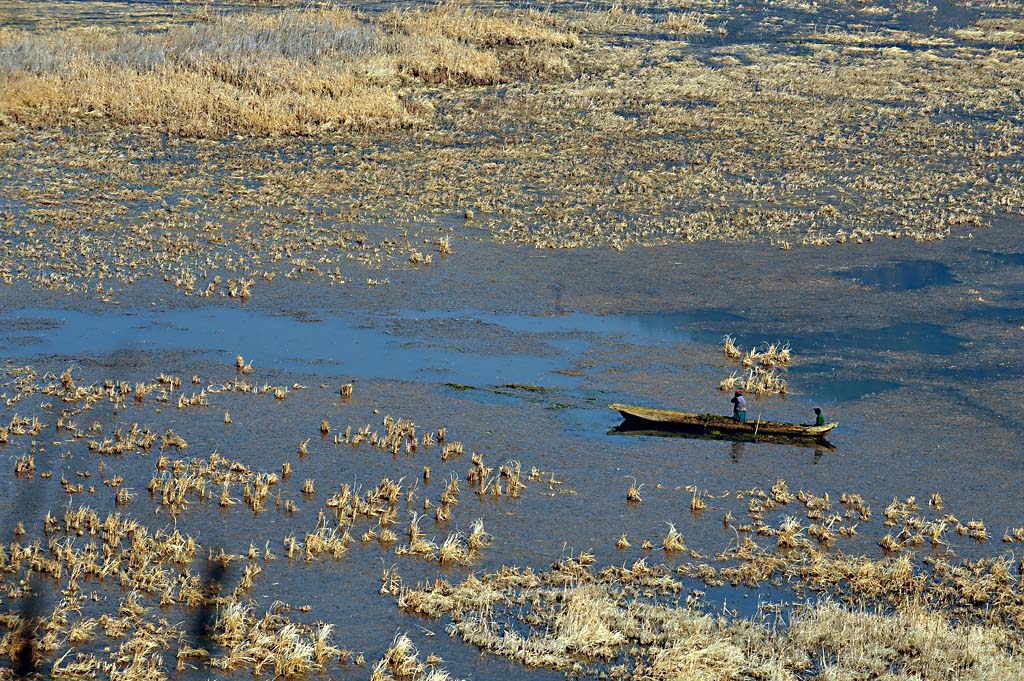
739	407
819	418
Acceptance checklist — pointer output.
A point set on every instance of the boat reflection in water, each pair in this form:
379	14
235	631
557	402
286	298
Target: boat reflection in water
819	444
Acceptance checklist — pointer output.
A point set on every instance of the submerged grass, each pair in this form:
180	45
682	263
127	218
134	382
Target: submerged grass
119	579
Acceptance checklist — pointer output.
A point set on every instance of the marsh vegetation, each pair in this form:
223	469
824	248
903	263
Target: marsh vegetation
280	153
122	583
390	132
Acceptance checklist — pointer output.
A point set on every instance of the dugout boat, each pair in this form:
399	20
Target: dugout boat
712	424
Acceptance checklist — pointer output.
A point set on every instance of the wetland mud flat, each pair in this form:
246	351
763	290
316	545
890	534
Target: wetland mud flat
306	368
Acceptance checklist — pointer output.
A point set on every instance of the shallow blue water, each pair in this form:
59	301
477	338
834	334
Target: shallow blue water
361	347
903	275
329	345
661	328
929	339
343	347
1000	258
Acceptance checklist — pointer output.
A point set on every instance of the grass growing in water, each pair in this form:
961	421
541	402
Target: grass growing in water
580	618
763	367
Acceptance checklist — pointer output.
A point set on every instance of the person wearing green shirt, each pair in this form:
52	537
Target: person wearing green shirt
819	417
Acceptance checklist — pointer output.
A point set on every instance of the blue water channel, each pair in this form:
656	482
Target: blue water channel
394	346
334	346
351	348
329	346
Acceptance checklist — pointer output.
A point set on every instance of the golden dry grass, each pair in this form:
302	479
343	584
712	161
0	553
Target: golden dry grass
764	366
626	136
294	71
675	136
1002	30
598	615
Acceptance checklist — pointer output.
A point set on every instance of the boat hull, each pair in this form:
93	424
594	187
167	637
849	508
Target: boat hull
667	419
820	444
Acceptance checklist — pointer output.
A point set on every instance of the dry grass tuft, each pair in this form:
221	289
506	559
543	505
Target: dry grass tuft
684	23
401	662
578	619
673	540
730	349
633	493
764	367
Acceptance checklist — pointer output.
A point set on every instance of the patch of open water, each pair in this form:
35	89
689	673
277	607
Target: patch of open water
930	339
1004	259
518	349
660	328
904	275
831	386
324	345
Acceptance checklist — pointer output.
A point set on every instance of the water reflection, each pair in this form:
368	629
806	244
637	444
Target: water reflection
736	450
902	275
1005	259
828	386
928	339
661	328
331	346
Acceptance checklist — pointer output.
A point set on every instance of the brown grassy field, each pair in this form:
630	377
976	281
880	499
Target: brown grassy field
570	129
292	72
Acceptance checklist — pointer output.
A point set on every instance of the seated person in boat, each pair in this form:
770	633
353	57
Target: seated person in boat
819	418
739	408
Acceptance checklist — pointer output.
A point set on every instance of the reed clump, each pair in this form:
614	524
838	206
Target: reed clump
673	540
401	662
1002	30
633	493
271	643
180	481
153	570
685	23
764	368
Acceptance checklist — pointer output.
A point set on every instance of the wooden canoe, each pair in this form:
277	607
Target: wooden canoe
819	443
715	423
